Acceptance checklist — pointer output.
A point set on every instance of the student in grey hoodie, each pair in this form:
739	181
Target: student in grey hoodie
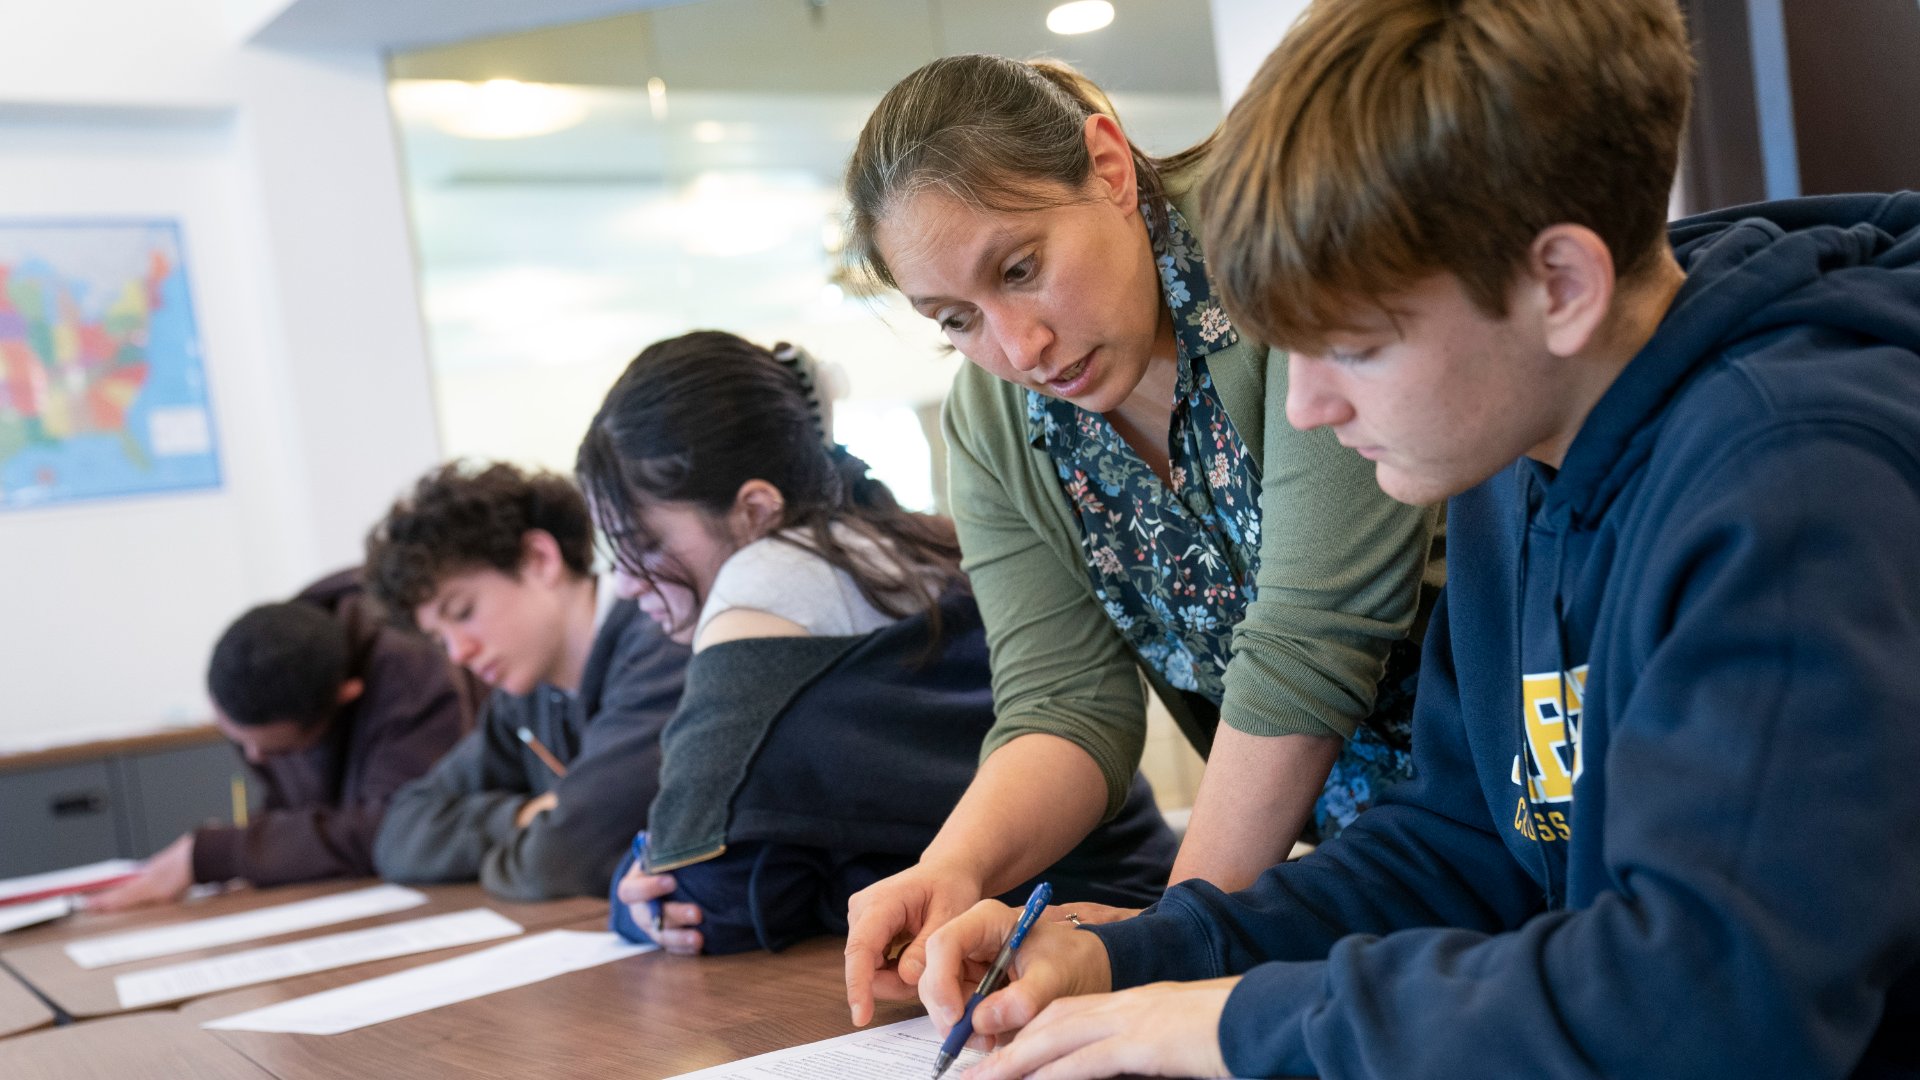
542	800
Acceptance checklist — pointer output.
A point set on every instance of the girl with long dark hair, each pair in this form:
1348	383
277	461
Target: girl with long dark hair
839	688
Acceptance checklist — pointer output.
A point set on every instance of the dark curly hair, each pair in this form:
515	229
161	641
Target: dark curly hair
279	662
466	516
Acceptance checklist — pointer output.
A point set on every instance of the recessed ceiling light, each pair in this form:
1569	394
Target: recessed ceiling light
495	109
1080	17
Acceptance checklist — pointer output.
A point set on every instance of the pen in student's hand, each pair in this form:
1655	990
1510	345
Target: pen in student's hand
541	752
656	912
995	978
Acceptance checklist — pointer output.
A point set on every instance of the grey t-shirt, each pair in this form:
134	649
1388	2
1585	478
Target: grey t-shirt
780	577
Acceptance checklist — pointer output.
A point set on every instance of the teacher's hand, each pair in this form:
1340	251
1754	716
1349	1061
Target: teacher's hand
904	908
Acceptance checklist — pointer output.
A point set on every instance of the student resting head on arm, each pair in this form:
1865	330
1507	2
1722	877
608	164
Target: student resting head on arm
333	711
1664	817
540	801
838	691
1129	498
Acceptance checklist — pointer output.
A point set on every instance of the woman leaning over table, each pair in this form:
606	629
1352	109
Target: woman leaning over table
1128	494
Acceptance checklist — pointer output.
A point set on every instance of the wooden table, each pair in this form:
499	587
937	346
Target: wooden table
652	1015
20	1009
149	1046
81	993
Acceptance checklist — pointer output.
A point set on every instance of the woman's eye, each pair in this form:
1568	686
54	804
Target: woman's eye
952	323
1351	356
1019	271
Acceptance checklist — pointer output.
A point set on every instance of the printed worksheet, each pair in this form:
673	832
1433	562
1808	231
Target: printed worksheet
431	986
886	1053
197	978
220	930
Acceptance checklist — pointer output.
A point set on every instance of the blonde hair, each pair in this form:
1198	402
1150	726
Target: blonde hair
1388	140
993	133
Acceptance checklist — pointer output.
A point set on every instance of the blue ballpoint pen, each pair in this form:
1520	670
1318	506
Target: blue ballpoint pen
654	909
996	976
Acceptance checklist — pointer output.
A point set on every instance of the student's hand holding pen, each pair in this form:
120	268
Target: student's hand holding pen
1161	1029
677	920
1056	961
1058	1011
165	878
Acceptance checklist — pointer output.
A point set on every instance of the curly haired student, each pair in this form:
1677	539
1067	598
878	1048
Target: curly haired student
539	802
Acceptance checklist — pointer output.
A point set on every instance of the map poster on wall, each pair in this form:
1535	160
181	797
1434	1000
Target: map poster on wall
102	390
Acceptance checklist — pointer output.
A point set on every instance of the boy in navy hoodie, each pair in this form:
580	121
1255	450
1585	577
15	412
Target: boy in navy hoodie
1666	819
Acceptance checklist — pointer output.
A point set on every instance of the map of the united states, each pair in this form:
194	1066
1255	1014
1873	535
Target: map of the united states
102	391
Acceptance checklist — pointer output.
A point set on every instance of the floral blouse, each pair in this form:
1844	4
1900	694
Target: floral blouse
1174	563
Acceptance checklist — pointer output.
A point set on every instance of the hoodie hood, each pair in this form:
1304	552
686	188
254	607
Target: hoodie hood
1845	263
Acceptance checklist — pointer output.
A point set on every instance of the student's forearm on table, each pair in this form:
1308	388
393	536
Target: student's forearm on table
1032	801
1255	797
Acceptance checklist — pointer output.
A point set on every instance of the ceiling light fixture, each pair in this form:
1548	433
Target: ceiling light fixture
496	109
1080	17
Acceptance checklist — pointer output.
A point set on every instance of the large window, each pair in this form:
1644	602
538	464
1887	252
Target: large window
581	191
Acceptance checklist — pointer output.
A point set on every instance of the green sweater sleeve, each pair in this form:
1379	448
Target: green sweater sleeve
1059	667
1340	572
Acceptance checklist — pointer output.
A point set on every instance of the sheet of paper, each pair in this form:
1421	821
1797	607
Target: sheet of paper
885	1053
243	926
53	882
197	978
430	986
21	916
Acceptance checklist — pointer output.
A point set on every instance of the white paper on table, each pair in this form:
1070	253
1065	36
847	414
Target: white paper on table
199	977
21	916
242	926
885	1053
77	877
430	986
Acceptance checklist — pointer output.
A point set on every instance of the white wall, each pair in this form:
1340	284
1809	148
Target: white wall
1244	32
283	174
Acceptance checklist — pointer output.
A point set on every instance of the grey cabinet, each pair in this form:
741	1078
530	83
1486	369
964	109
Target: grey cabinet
171	792
59	816
128	799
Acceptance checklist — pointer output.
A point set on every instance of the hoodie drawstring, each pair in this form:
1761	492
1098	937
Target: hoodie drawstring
1533	826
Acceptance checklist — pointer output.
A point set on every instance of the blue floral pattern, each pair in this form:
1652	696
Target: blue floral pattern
1173	564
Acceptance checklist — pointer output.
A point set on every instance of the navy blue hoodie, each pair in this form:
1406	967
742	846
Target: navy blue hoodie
1700	855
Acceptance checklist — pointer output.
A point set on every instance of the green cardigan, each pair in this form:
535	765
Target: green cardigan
1341	569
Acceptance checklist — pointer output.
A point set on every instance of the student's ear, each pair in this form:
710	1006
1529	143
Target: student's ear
350	692
1573	275
1111	158
540	558
758	508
